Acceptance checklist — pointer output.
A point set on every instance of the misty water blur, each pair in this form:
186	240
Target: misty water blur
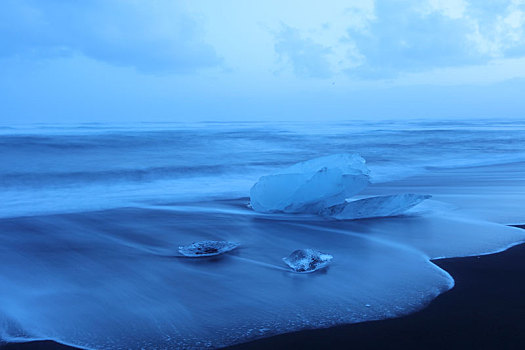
92	216
47	168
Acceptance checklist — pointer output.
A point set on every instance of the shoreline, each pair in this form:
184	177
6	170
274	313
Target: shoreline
485	310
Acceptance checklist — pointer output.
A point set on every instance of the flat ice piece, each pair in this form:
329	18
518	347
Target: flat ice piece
207	248
373	207
307	260
311	186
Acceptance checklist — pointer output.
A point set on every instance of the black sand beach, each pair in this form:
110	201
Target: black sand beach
485	310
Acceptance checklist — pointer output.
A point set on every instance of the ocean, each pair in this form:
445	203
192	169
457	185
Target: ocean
91	217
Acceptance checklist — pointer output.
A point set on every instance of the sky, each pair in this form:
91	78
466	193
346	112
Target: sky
237	60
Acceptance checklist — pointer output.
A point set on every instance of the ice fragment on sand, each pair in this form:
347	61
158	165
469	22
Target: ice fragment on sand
374	206
307	260
310	186
207	248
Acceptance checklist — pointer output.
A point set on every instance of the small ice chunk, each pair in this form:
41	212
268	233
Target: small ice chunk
307	260
374	206
310	186
207	248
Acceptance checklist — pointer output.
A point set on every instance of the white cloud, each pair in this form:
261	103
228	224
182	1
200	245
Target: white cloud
343	39
151	36
454	9
328	32
497	34
245	33
416	36
360	15
307	58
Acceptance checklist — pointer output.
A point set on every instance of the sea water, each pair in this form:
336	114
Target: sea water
92	215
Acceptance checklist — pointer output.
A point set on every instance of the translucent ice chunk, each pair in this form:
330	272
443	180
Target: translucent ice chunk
307	260
310	186
350	163
207	248
374	206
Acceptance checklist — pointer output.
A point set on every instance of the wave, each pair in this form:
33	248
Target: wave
132	162
107	176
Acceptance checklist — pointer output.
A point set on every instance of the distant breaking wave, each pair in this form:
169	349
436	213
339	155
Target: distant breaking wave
144	162
108	176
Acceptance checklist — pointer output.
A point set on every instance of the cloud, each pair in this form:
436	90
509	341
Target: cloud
408	37
499	32
360	15
152	36
347	39
308	58
319	47
415	36
385	39
453	9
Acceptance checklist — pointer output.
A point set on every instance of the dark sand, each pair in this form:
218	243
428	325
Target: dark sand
485	310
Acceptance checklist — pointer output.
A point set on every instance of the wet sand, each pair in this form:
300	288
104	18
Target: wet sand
485	310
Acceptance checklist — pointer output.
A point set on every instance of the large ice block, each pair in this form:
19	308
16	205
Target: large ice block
311	186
